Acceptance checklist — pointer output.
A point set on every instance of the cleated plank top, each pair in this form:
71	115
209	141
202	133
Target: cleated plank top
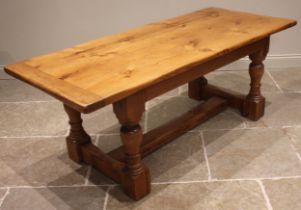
102	71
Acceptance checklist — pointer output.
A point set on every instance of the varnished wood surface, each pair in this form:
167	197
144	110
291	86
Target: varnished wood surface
103	71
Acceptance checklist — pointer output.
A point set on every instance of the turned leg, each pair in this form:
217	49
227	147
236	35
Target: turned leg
136	177
196	87
255	102
77	135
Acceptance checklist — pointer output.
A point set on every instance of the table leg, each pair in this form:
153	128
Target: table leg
77	135
136	177
196	88
255	102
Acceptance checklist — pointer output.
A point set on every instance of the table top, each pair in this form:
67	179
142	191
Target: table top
102	71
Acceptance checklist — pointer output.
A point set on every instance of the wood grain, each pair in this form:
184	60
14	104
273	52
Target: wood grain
114	67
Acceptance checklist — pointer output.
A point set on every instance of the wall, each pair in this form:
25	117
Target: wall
33	27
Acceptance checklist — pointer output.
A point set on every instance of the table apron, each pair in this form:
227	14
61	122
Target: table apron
195	72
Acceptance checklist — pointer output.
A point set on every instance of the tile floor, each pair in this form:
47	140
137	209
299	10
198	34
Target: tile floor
227	163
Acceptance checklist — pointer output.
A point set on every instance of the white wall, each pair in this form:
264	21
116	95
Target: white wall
33	27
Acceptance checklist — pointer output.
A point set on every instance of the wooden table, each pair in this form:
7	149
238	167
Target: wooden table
130	68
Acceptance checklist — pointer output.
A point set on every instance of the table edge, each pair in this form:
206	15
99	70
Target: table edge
84	101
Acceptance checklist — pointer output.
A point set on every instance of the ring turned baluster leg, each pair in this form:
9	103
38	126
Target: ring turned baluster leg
136	177
77	135
255	102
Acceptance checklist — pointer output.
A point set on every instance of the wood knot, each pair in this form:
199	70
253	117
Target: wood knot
192	44
127	39
239	31
169	24
237	22
127	73
206	50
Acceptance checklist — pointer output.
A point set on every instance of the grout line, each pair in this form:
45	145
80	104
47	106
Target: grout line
228	180
191	131
159	97
105	203
291	126
145	121
67	131
292	91
254	128
189	182
292	140
244	125
280	91
245	68
25	102
241	128
265	93
295	150
63	135
280	177
159	183
61	186
179	91
22	137
87	177
147	105
206	156
274	81
107	134
298	155
265	195
4	196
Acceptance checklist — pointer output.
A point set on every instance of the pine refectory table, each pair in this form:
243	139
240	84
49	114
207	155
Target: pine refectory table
130	68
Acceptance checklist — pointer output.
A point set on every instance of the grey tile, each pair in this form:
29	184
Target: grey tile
3	193
237	81
14	90
38	162
97	178
32	119
284	194
105	143
181	160
228	119
185	160
4	75
251	153
294	134
288	79
103	121
194	196
161	111
59	198
282	109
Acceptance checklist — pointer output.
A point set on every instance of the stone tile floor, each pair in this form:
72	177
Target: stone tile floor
227	163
